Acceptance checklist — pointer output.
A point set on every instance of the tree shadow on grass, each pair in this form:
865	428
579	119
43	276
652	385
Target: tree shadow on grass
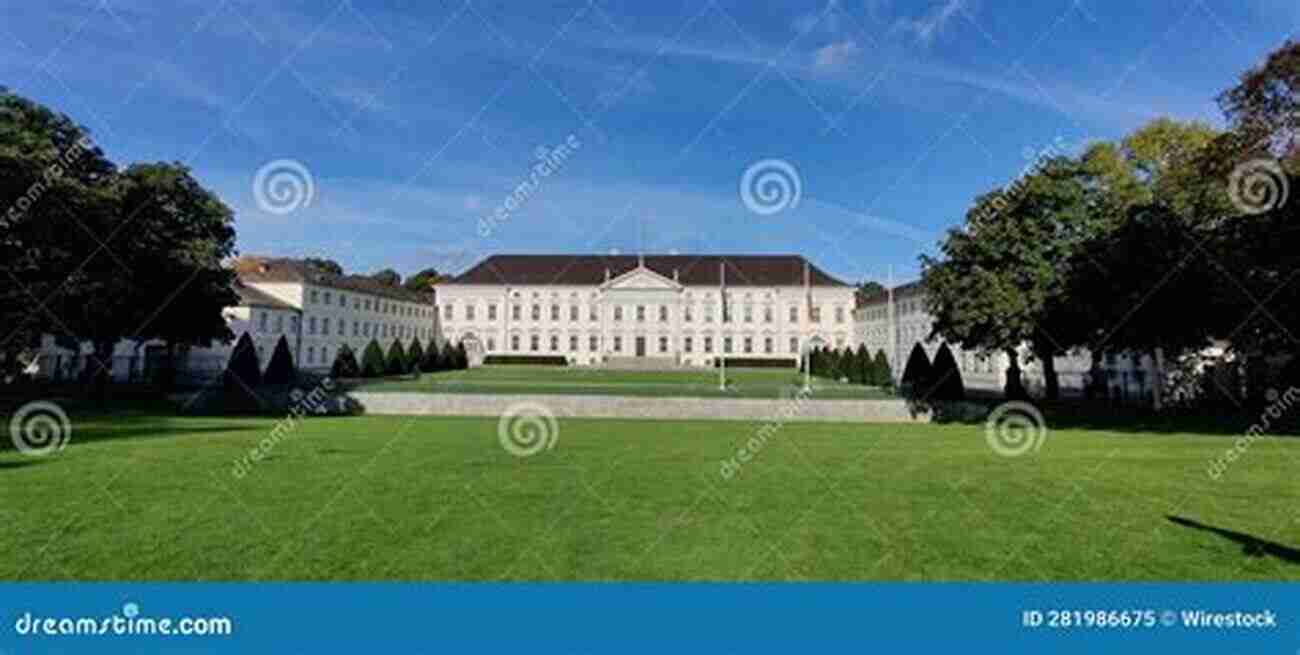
1250	545
20	463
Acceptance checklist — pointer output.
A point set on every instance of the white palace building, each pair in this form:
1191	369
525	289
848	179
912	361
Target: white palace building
651	310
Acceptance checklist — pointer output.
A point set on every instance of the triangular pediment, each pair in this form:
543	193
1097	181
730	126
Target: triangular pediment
642	278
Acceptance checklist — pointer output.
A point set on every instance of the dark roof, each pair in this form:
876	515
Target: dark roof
691	270
281	269
903	290
251	297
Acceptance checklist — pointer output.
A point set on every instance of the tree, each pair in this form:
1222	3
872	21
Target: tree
396	358
423	281
280	370
917	375
414	356
388	277
1264	106
884	377
863	372
431	358
242	370
345	364
460	359
325	265
373	364
868	289
947	376
180	233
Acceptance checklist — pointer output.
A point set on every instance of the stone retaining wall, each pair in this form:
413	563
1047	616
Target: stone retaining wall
739	409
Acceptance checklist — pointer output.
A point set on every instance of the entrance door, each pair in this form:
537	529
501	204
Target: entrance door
640	346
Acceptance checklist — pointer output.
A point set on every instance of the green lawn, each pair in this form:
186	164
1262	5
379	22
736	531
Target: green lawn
144	497
699	383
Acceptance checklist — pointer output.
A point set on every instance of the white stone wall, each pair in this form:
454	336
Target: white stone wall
683	325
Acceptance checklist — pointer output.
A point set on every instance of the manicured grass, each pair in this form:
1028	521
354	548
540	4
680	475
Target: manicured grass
144	497
698	383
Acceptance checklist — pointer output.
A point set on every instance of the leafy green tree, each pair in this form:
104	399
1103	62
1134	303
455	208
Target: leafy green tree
388	277
280	370
862	371
423	281
326	265
345	364
373	363
396	358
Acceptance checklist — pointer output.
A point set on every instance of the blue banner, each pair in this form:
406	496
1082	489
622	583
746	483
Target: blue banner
647	618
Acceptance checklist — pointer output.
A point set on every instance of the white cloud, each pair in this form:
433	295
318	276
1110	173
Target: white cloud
836	56
926	28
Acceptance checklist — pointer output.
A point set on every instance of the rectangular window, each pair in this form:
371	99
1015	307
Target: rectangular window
514	312
794	344
492	312
315	296
293	324
356	328
839	314
767	345
469	312
618	344
640	313
618	312
663	344
767	314
663	313
815	314
537	312
534	342
794	314
573	313
447	312
593	343
688	313
555	312
708	313
492	344
687	344
514	342
311	354
726	345
708	344
343	327
343	300
365	329
325	326
749	345
329	298
749	314
573	343
261	321
311	325
555	343
279	324
595	314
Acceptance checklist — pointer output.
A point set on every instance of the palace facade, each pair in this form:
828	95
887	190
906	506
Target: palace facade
651	310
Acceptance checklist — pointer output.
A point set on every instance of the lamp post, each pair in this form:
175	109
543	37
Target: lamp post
813	343
722	372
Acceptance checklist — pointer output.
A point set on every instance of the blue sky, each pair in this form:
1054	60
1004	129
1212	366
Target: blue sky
415	120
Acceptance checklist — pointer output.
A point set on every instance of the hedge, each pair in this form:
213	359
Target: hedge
537	360
756	362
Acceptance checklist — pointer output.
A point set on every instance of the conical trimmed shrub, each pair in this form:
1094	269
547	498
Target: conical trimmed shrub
414	356
281	369
918	373
345	364
373	363
243	370
880	369
947	376
431	357
396	361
